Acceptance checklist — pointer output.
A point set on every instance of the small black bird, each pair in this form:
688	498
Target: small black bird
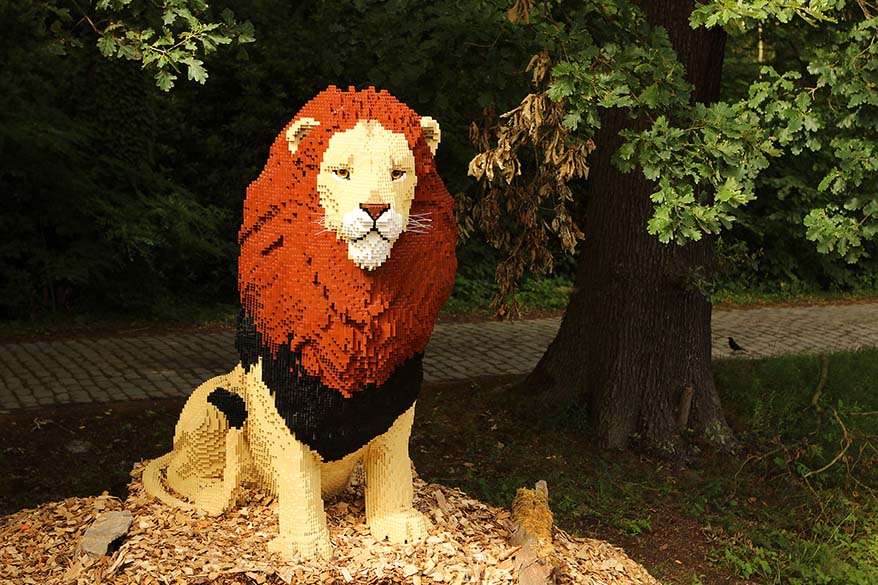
735	347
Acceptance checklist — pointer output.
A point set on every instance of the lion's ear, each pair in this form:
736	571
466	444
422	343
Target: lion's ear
431	132
298	130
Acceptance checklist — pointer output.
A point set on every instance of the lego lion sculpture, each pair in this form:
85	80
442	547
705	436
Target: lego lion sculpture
347	255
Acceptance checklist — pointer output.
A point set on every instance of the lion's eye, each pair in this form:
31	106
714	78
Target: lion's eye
397	174
343	174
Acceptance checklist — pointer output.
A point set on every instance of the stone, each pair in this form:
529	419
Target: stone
106	528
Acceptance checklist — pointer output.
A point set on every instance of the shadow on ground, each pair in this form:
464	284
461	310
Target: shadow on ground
477	435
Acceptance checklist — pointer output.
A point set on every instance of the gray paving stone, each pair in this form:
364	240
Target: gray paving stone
9	402
99	395
136	394
93	370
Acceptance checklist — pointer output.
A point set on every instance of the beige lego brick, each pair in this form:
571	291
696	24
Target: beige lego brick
347	255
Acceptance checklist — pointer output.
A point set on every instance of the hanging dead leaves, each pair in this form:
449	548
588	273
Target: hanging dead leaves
520	11
526	161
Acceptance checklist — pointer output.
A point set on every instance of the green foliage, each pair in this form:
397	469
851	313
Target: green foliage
123	197
634	527
89	219
746	13
795	194
164	37
832	113
637	75
437	61
708	162
839	551
721	151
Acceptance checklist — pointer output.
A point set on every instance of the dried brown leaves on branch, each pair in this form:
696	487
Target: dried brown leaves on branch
520	11
527	158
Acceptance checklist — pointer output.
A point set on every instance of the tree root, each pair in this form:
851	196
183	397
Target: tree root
536	562
821	383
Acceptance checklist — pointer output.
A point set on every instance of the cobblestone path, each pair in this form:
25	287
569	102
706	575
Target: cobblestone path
129	368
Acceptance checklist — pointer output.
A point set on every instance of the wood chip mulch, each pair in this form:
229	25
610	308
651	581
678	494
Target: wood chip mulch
468	542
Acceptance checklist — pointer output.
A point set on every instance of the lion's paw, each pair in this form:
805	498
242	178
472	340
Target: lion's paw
214	499
307	547
211	507
401	527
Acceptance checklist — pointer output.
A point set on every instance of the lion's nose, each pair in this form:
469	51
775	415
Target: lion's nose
374	209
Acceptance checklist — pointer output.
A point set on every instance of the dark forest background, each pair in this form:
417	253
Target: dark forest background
118	197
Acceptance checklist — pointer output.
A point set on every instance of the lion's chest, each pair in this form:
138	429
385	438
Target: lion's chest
266	429
321	417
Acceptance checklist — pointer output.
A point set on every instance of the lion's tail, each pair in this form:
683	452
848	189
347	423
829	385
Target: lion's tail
152	482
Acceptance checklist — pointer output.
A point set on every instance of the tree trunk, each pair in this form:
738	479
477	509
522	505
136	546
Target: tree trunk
634	345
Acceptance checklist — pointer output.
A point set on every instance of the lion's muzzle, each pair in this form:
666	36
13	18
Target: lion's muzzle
370	233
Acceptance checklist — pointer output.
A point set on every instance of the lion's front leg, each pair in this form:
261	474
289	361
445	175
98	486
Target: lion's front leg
389	511
301	517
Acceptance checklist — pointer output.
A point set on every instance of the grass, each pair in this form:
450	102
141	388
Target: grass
793	506
169	315
536	294
737	297
804	510
778	511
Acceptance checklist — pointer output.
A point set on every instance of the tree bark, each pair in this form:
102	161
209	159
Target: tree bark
634	347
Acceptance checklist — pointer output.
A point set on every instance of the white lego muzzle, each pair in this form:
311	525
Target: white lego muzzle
370	236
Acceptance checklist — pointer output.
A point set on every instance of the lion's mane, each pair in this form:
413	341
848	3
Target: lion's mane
353	327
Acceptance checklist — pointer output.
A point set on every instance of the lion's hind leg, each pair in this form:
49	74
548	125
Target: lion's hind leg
209	454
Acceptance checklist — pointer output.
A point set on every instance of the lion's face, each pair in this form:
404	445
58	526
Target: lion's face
357	295
366	185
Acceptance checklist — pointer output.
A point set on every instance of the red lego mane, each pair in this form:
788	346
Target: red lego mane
352	326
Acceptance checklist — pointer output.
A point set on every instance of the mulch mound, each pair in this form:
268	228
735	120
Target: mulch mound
468	542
